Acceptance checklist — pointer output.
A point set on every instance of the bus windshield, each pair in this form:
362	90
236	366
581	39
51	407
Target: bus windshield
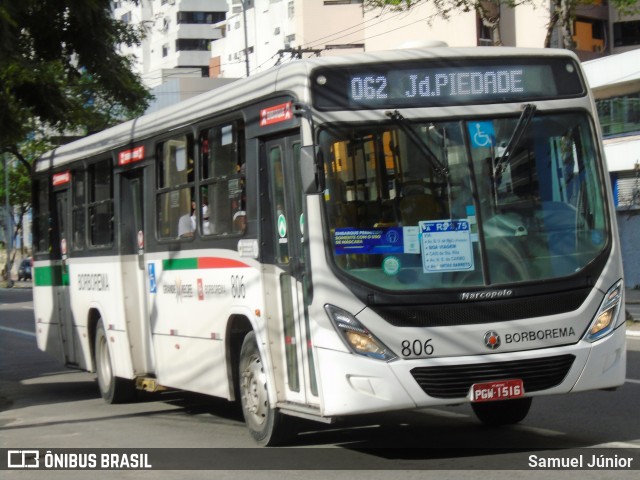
422	205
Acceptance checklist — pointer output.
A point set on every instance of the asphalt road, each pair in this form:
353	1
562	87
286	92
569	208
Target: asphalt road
43	405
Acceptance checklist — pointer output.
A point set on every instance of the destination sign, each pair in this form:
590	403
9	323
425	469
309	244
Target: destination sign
457	83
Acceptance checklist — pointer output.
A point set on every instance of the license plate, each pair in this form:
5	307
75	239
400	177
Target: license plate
498	390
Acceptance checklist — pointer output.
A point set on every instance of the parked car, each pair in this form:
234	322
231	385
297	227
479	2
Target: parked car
24	271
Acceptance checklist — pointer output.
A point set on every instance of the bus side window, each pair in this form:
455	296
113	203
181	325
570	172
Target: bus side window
101	204
175	189
222	179
41	216
78	213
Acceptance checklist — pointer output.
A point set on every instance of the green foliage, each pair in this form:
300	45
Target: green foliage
60	67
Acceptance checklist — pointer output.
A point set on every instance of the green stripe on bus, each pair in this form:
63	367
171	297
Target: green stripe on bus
50	276
201	263
180	264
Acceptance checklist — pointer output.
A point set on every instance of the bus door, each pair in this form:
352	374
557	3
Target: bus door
288	322
132	248
60	251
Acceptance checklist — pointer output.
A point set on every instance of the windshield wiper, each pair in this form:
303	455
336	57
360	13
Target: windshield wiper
523	123
436	164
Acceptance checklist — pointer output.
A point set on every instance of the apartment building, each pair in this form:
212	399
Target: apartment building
258	34
178	38
236	38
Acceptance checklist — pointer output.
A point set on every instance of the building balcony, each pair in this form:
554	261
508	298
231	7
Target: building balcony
186	30
202	5
193	58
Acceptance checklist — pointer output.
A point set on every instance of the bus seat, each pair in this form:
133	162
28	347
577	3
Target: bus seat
417	207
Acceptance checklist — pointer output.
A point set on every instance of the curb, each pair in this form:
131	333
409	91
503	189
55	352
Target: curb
633	333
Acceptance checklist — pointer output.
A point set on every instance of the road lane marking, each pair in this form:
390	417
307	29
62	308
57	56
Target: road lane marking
631	380
14	306
545	432
19	332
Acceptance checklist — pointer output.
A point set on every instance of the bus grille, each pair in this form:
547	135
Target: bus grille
455	381
452	314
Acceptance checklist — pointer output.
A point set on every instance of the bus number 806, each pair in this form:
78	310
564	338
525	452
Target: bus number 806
417	348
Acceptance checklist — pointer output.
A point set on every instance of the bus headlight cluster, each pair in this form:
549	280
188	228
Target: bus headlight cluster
605	320
356	337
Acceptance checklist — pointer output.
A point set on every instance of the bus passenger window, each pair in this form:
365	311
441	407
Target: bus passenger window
41	217
101	204
175	197
78	215
222	179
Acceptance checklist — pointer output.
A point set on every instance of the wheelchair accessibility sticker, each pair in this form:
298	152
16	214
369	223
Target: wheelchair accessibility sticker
482	134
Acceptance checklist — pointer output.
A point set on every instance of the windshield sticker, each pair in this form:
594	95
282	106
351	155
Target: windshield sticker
411	239
473	222
282	226
153	286
391	265
368	241
446	246
482	134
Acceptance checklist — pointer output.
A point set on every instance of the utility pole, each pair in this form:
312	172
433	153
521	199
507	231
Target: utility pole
8	234
246	41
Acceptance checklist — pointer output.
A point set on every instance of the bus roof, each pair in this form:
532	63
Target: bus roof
287	78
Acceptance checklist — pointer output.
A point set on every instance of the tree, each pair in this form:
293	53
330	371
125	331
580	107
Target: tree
60	71
60	67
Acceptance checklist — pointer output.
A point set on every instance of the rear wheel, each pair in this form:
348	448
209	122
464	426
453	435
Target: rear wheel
267	425
113	389
504	412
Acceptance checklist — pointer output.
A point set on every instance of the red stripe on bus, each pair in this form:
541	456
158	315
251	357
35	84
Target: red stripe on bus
217	262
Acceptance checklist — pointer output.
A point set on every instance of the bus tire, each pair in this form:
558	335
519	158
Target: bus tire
503	412
268	426
113	389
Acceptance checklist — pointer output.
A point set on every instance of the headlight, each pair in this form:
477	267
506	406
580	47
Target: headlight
357	338
605	320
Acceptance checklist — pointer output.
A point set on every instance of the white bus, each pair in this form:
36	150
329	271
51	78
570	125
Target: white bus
337	236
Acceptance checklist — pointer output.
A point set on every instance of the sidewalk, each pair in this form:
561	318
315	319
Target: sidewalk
632	297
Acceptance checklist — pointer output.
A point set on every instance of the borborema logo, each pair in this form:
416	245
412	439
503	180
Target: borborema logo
492	340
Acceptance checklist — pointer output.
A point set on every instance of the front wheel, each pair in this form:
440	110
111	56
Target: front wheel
267	425
113	389
503	412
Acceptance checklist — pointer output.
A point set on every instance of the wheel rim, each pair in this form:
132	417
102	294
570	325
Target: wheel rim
254	391
104	364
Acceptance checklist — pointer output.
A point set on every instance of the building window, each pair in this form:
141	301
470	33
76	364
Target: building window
619	115
176	212
201	44
208	18
341	2
126	18
589	35
485	37
165	49
291	10
289	39
627	189
626	33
